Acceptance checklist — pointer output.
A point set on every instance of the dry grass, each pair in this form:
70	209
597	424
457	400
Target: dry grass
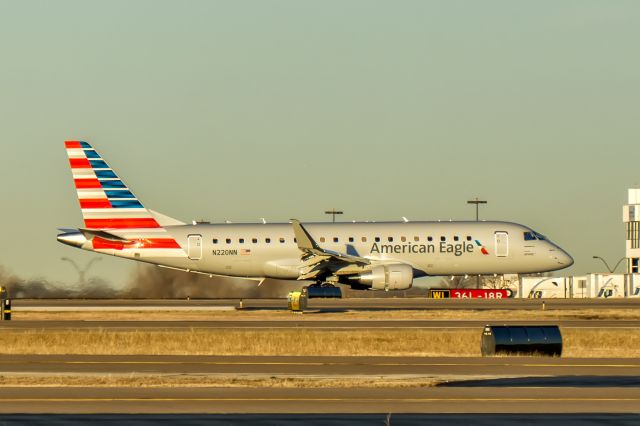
165	381
348	315
622	343
612	343
239	342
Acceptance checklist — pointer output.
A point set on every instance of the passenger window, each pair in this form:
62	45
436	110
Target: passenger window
228	240
377	239
429	238
468	238
254	240
416	238
335	239
364	239
456	238
322	240
390	239
403	239
267	240
443	238
350	239
295	240
282	240
241	240
215	241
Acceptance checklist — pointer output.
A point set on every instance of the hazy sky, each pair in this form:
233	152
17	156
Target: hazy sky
246	109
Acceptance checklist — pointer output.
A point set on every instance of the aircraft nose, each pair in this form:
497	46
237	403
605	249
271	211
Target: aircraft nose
560	256
565	258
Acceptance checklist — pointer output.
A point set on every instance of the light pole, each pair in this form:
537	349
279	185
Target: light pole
607	265
333	212
81	272
477	202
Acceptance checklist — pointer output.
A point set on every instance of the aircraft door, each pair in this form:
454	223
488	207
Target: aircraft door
502	244
194	247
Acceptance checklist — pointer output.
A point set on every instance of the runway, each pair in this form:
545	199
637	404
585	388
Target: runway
338	304
251	400
257	324
480	385
321	366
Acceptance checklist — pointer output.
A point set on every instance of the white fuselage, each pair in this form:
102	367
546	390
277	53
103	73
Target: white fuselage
431	248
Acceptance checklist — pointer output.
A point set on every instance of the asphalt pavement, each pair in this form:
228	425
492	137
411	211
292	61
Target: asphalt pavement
356	400
477	385
343	304
374	366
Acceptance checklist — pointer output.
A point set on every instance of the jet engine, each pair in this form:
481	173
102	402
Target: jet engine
396	276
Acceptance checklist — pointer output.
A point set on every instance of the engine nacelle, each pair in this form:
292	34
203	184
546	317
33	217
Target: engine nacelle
388	277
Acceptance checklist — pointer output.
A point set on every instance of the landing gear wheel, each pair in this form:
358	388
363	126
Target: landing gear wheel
322	290
324	285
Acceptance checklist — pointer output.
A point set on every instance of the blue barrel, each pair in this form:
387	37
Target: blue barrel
318	292
521	340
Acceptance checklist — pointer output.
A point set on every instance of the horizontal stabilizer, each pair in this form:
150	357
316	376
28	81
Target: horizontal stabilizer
67	230
90	234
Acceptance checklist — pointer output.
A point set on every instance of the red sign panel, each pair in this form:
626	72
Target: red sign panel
467	293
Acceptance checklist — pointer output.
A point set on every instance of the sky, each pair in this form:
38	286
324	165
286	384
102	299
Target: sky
237	110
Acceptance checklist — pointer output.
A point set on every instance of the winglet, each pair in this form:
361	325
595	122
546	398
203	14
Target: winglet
305	241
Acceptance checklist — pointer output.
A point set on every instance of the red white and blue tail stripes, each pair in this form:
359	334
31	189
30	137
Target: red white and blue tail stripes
108	204
105	200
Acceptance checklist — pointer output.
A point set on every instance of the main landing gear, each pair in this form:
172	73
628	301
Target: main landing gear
322	290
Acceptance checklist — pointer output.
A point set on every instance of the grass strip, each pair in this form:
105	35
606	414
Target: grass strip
622	343
164	381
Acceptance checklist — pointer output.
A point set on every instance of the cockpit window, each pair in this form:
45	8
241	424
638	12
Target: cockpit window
531	236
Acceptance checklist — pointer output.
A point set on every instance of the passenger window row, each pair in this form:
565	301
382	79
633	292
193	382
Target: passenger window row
253	240
337	239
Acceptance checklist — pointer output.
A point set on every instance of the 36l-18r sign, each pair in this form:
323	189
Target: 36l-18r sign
467	293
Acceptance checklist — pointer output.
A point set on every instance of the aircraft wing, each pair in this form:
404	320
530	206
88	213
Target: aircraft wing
308	245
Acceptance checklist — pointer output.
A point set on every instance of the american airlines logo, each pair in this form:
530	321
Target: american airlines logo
457	249
483	250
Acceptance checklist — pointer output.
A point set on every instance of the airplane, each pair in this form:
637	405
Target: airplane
365	256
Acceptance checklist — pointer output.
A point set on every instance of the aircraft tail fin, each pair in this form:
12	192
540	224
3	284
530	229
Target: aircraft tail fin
106	202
